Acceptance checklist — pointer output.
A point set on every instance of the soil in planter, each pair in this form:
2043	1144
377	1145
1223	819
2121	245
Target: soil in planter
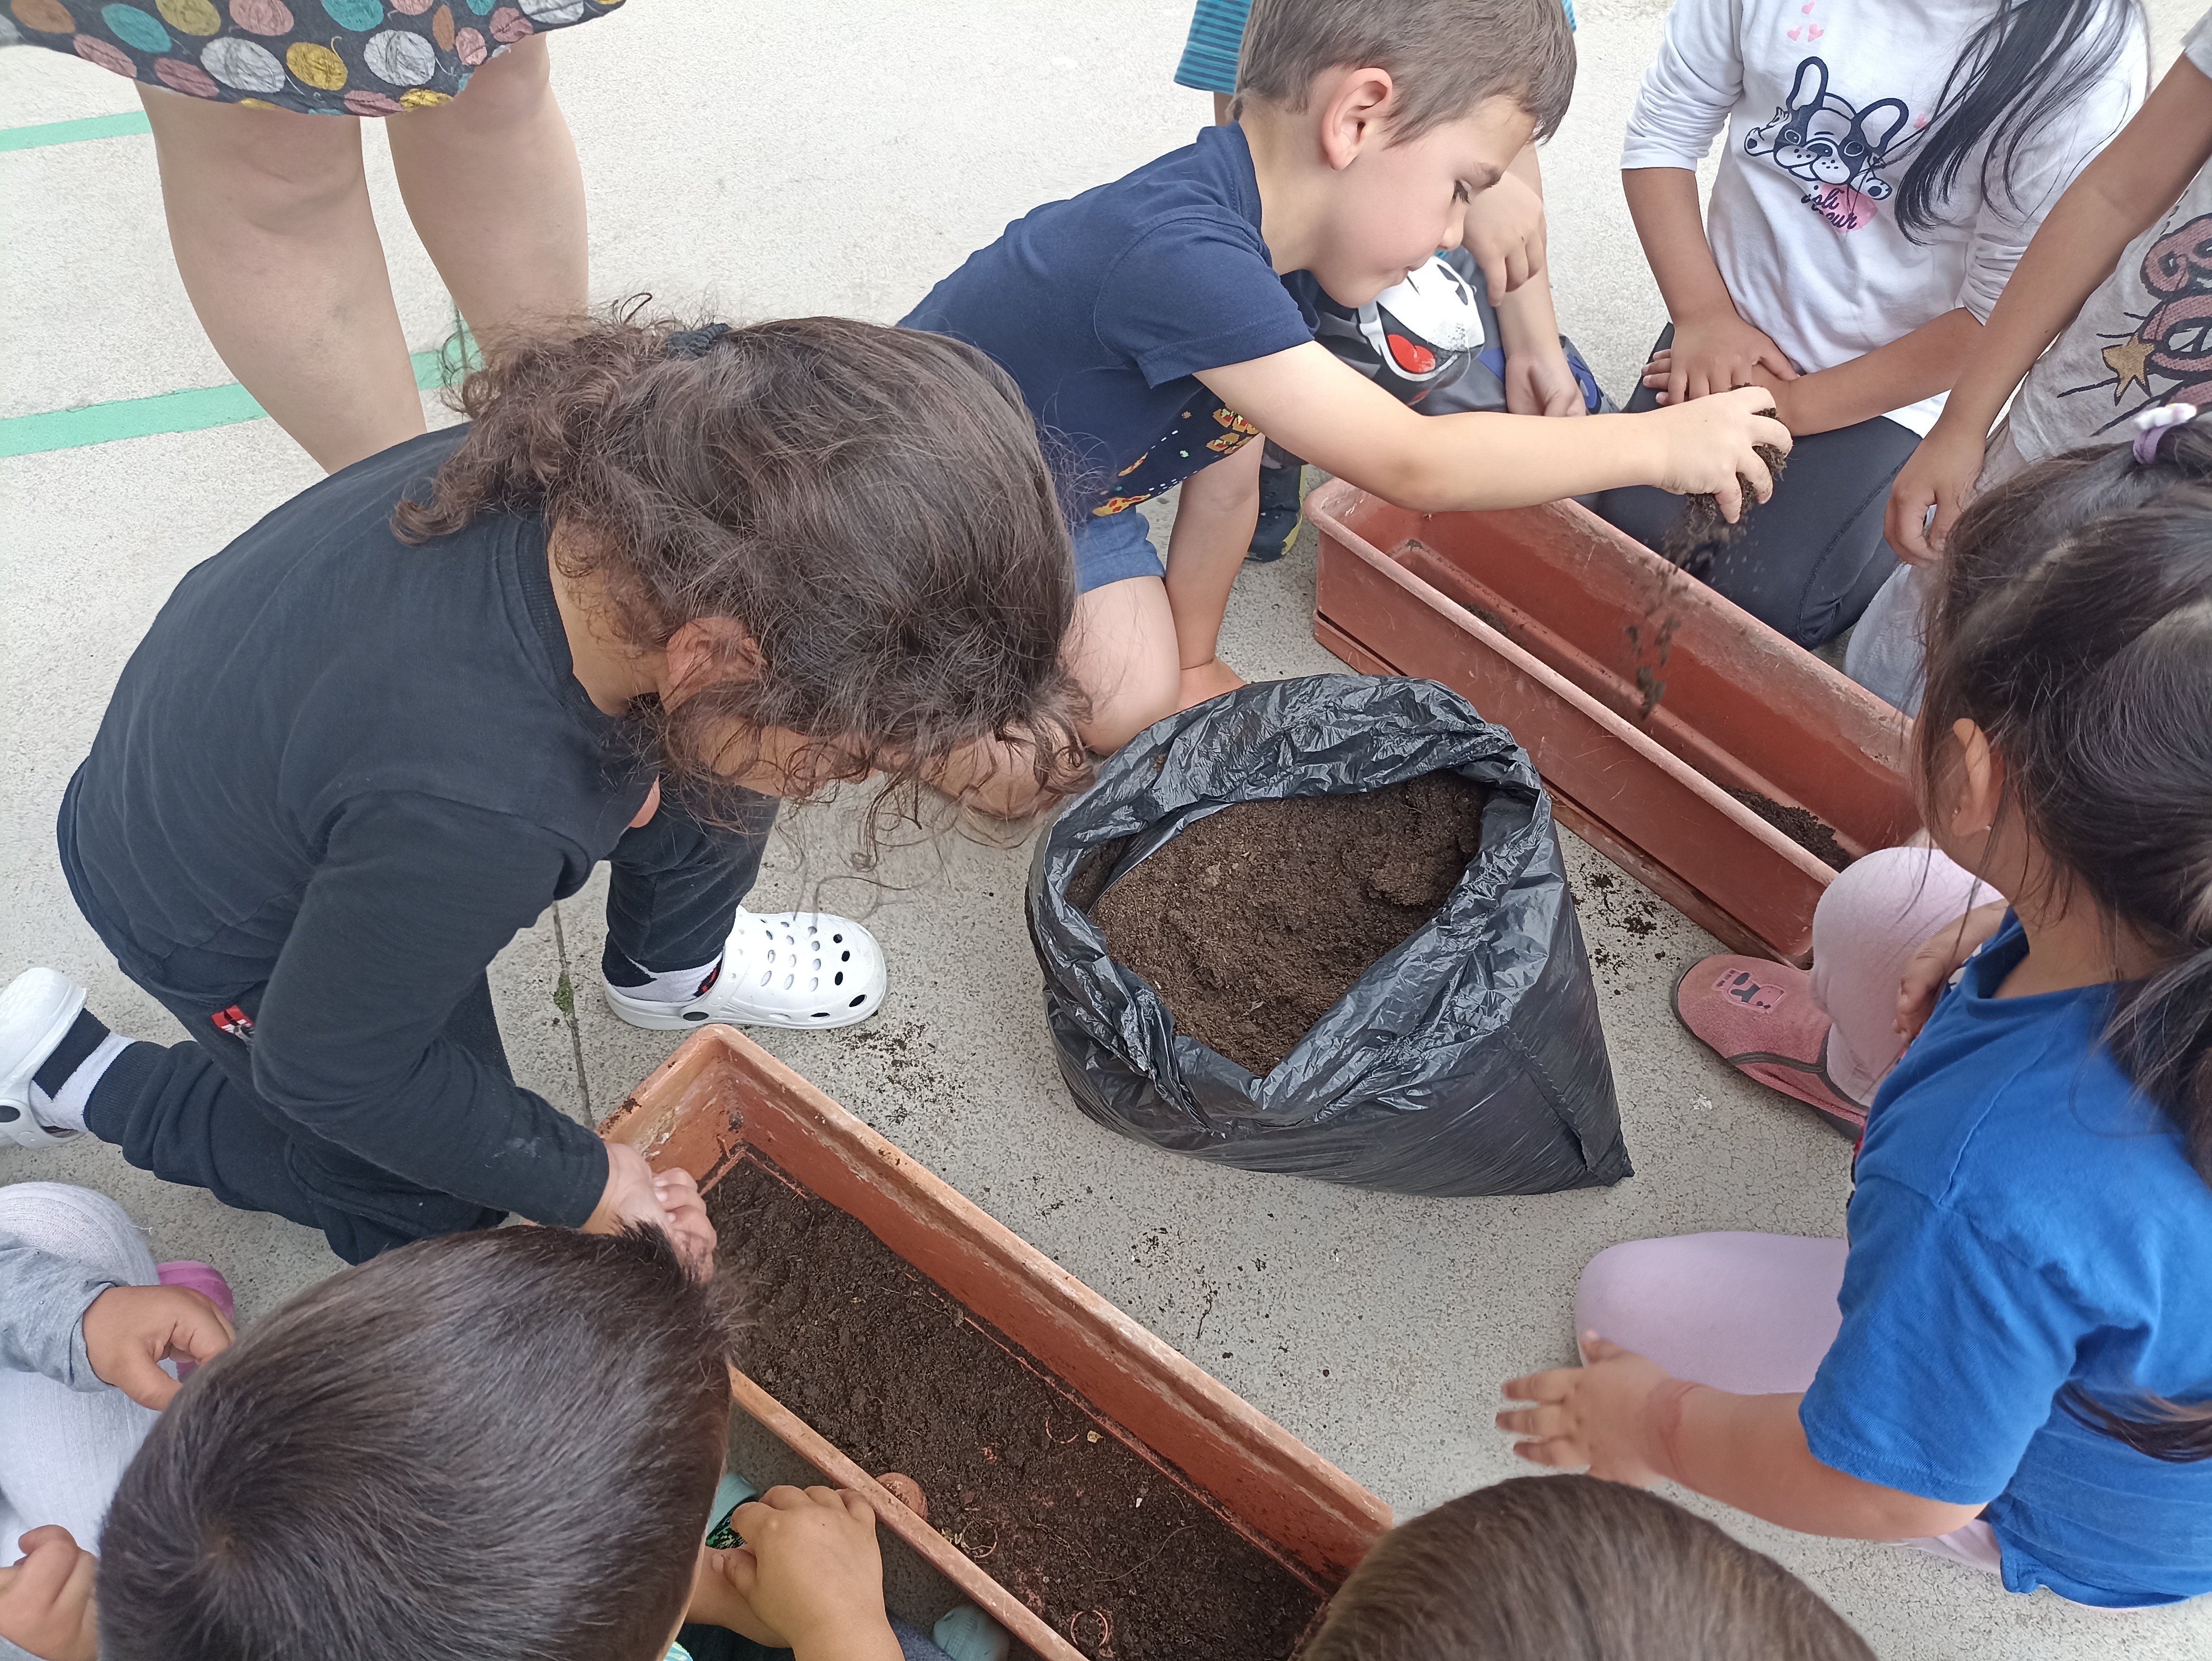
1255	921
1807	829
1109	1551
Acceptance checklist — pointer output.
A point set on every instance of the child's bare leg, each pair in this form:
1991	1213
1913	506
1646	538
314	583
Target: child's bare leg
1212	531
1122	651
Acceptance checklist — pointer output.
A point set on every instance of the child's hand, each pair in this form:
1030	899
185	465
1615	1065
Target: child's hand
1597	1414
1541	383
1711	445
45	1600
809	1575
668	1201
1505	232
1712	354
1941	474
1930	969
129	1331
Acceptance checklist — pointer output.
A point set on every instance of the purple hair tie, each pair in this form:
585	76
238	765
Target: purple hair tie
2151	427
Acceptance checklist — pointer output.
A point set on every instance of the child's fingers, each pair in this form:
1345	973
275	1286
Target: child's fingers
1595	1348
856	1507
51	1561
1558	1453
1548	1386
136	1373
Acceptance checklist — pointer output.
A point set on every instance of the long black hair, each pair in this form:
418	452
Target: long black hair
2017	72
2074	626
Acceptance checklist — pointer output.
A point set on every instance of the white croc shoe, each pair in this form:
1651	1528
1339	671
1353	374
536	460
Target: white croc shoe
36	1013
783	968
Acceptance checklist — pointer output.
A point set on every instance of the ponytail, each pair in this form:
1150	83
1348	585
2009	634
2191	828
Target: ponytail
2074	627
2018	72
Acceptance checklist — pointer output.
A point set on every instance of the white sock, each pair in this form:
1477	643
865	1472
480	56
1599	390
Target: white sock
673	986
65	1110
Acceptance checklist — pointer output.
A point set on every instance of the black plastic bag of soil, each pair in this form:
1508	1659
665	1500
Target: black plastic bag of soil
1468	1060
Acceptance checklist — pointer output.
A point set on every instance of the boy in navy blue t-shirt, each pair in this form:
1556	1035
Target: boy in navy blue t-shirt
1149	332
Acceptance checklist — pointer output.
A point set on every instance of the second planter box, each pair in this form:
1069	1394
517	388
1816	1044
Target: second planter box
1188	1451
1723	766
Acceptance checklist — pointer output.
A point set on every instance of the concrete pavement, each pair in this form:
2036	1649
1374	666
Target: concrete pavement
838	158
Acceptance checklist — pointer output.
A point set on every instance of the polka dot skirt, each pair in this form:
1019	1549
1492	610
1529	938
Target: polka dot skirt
319	57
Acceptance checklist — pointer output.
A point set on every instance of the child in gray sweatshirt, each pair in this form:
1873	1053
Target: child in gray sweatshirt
85	1325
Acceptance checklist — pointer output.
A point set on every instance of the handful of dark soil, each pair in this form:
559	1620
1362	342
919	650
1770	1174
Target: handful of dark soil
1701	532
1253	921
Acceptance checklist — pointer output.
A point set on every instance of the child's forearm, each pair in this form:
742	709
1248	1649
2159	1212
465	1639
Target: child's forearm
1663	203
1750	1451
2117	198
1910	368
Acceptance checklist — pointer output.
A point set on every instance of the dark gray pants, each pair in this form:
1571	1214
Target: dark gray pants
1809	560
189	1112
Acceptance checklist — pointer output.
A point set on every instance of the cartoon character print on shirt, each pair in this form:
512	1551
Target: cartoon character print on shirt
1195	440
2169	355
1838	152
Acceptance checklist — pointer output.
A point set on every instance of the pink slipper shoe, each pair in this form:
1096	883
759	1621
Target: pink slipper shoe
1761	1018
202	1278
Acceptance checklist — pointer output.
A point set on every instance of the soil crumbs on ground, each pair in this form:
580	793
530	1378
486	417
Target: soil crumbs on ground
1255	921
1802	826
1112	1553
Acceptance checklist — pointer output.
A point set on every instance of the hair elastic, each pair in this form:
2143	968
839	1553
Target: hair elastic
694	342
2151	427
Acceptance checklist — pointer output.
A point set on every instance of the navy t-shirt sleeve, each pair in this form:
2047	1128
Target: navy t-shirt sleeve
1194	294
415	895
1951	1356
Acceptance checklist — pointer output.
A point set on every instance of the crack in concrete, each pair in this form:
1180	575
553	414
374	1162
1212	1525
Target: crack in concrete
568	1015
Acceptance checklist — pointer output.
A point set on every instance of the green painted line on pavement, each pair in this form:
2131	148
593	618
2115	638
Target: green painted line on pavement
187	411
73	133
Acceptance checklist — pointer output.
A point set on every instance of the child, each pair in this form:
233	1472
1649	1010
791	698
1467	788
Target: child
1152	335
1570	1568
2135	227
390	725
2021	1375
1529	368
1886	164
87	1318
501	1444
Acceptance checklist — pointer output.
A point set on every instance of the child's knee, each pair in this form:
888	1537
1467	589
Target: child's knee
78	1226
1892	895
1147	691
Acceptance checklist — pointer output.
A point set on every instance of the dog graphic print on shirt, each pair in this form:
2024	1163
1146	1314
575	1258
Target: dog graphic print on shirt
1838	152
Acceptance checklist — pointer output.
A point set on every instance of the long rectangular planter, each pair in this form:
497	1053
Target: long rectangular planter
1643	697
721	1098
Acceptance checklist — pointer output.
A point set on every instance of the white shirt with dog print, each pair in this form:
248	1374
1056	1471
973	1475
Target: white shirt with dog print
2143	338
1826	102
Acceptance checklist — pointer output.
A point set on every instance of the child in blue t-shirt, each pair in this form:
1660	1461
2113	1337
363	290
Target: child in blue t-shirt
2010	1363
1148	328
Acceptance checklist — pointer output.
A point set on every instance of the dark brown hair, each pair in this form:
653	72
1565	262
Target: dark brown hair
1445	57
1570	1568
2073	625
493	1444
871	504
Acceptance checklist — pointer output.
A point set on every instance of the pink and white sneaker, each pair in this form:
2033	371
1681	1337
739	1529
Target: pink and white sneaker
1761	1018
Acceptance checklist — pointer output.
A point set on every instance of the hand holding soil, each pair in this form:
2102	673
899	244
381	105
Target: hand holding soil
810	1573
668	1201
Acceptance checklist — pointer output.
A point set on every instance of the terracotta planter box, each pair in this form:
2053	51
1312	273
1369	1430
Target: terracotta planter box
721	1099
1643	697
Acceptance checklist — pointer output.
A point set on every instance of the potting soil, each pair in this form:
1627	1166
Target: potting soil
1801	825
1111	1553
1254	921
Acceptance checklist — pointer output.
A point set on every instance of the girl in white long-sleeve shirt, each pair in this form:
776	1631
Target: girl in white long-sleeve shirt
1884	166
